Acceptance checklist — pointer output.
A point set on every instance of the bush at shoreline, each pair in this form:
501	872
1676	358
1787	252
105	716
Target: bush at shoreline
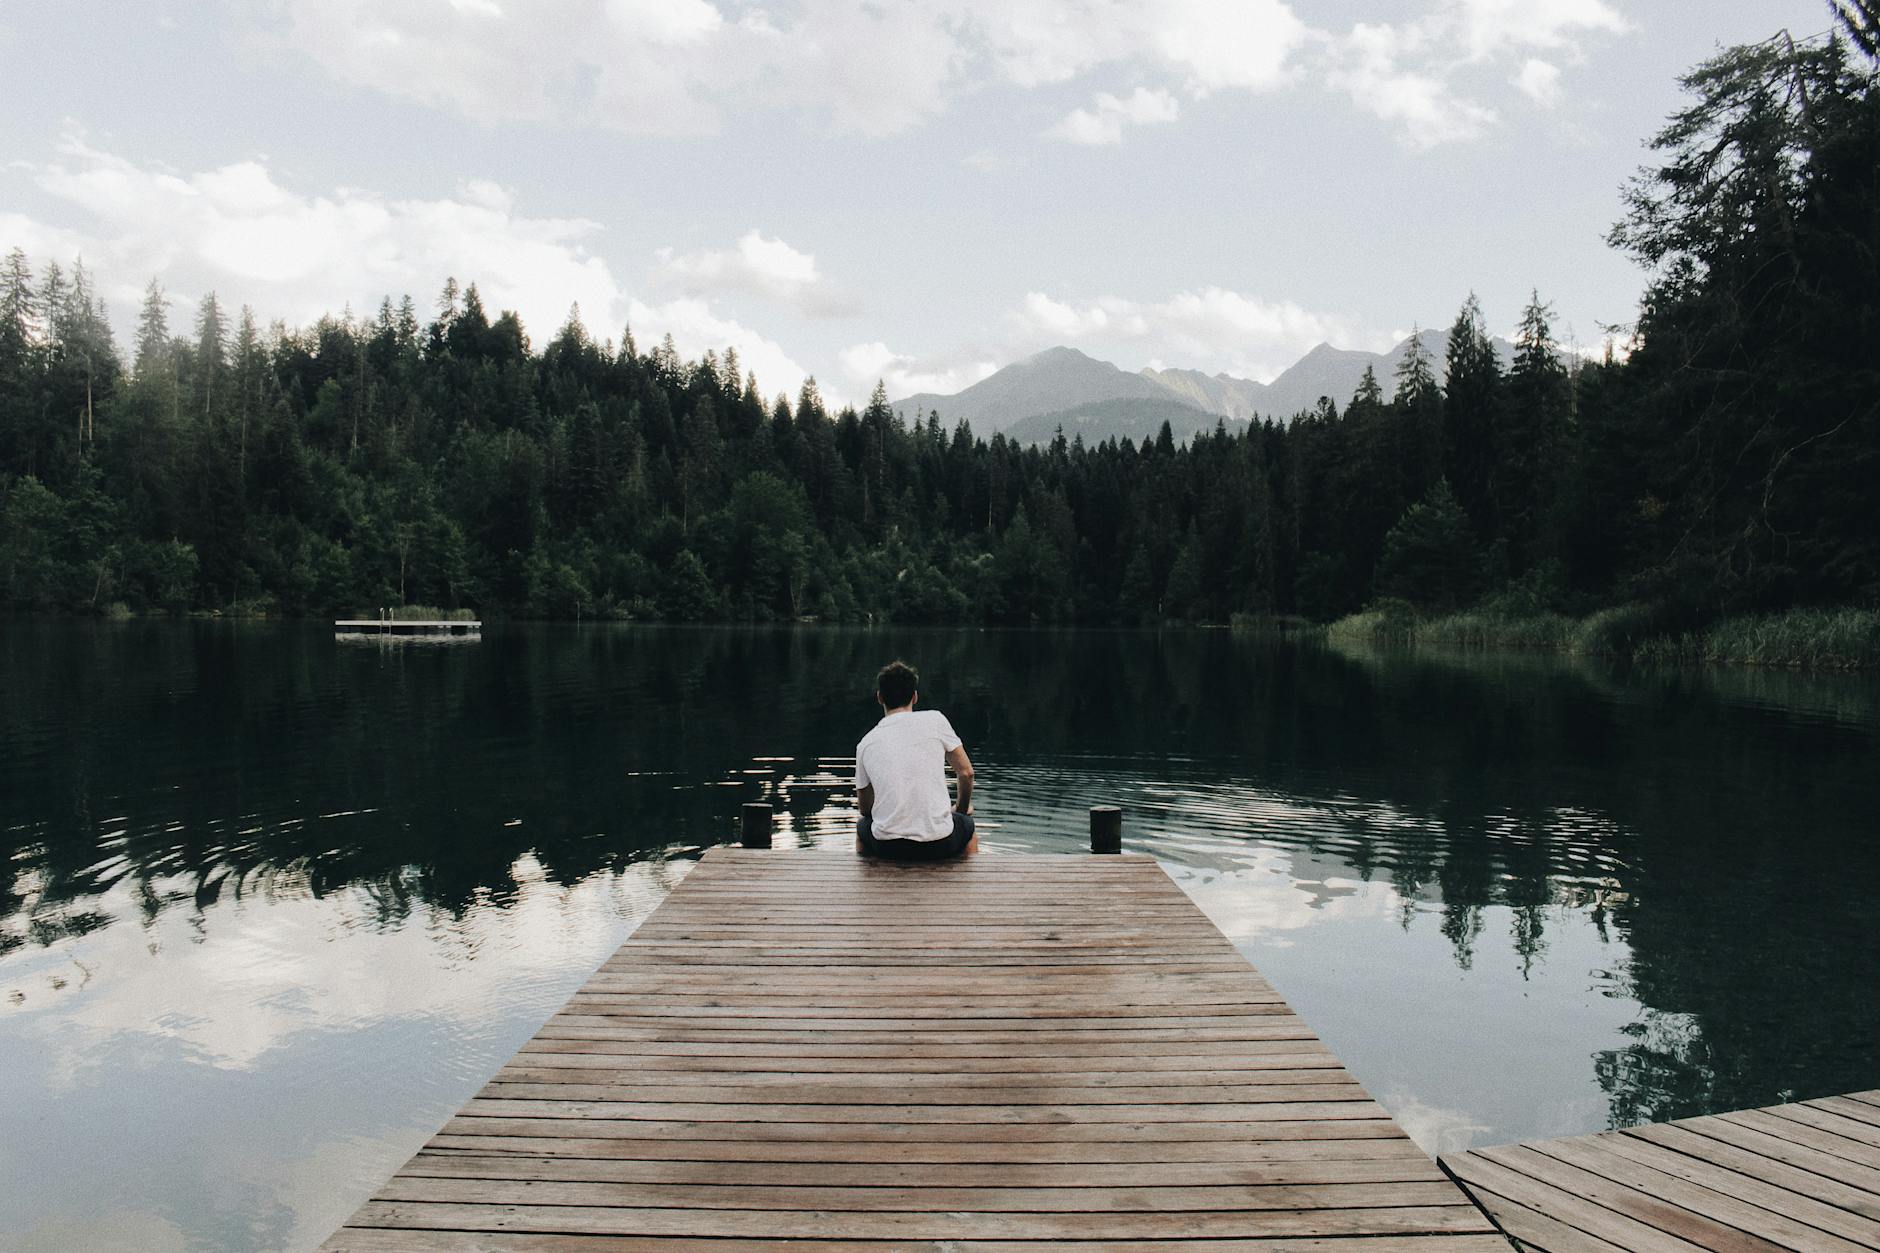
1816	639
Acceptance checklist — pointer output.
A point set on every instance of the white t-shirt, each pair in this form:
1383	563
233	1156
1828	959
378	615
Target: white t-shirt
904	760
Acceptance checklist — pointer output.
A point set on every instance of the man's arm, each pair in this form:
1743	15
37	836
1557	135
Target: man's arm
963	777
865	797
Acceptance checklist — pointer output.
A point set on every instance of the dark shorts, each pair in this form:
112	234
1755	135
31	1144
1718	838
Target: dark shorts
918	850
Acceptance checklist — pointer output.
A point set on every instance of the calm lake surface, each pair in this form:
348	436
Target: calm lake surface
273	905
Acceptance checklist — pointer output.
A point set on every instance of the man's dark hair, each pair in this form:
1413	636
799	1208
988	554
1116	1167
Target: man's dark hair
896	684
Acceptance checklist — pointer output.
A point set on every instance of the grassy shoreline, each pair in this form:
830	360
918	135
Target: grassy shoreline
1794	639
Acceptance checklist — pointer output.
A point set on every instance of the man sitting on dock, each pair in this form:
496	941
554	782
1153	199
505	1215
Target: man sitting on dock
901	779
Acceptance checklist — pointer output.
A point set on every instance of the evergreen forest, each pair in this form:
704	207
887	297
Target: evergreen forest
1724	459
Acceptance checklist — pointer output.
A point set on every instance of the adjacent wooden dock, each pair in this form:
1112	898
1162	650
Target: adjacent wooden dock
1802	1178
1006	1052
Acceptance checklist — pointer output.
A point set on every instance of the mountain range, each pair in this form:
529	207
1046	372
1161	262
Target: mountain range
1062	387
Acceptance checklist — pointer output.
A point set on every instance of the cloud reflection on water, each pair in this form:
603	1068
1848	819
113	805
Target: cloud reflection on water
345	1042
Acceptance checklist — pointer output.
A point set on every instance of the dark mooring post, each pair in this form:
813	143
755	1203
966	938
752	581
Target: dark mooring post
756	825
1106	829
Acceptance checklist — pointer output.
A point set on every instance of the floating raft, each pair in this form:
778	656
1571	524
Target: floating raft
396	626
1802	1177
999	1053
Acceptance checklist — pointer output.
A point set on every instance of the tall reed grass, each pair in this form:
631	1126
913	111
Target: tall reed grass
1814	639
1809	639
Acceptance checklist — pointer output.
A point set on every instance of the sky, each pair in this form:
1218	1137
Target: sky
860	190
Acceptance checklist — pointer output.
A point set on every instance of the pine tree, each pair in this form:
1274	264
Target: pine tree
1472	417
1533	452
92	346
447	303
1369	394
1757	330
667	367
248	368
1416	375
155	353
17	301
19	383
809	402
407	323
55	326
211	361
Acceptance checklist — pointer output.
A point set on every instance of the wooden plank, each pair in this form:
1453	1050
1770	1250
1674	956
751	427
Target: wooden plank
1834	1124
1775	1148
933	1058
1457	1219
650	1142
1401	1168
1263	1020
1753	1187
1847	1107
1774	1121
1710	1196
979	1115
804	1073
488	1189
1047	1050
1667	1219
1793	1180
1790	1178
850	1134
970	1068
969	1102
956	981
1505	1192
1535	1228
731	1036
382	1240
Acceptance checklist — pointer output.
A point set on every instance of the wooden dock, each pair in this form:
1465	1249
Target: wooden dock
407	626
1800	1178
1006	1052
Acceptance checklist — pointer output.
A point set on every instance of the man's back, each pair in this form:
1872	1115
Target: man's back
904	759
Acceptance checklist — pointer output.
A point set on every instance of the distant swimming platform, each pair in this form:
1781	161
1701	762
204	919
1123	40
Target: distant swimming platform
406	626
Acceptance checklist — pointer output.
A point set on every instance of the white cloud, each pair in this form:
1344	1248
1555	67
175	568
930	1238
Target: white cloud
1228	43
1207	45
873	68
1104	121
641	66
865	364
241	232
236	229
1404	73
666	22
758	265
1421	103
1211	328
1487	27
1538	80
696	329
687	66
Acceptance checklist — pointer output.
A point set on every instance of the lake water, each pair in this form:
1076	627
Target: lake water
273	905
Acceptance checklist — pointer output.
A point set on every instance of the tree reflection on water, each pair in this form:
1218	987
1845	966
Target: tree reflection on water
1715	825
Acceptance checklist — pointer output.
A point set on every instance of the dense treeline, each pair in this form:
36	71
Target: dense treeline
1727	462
